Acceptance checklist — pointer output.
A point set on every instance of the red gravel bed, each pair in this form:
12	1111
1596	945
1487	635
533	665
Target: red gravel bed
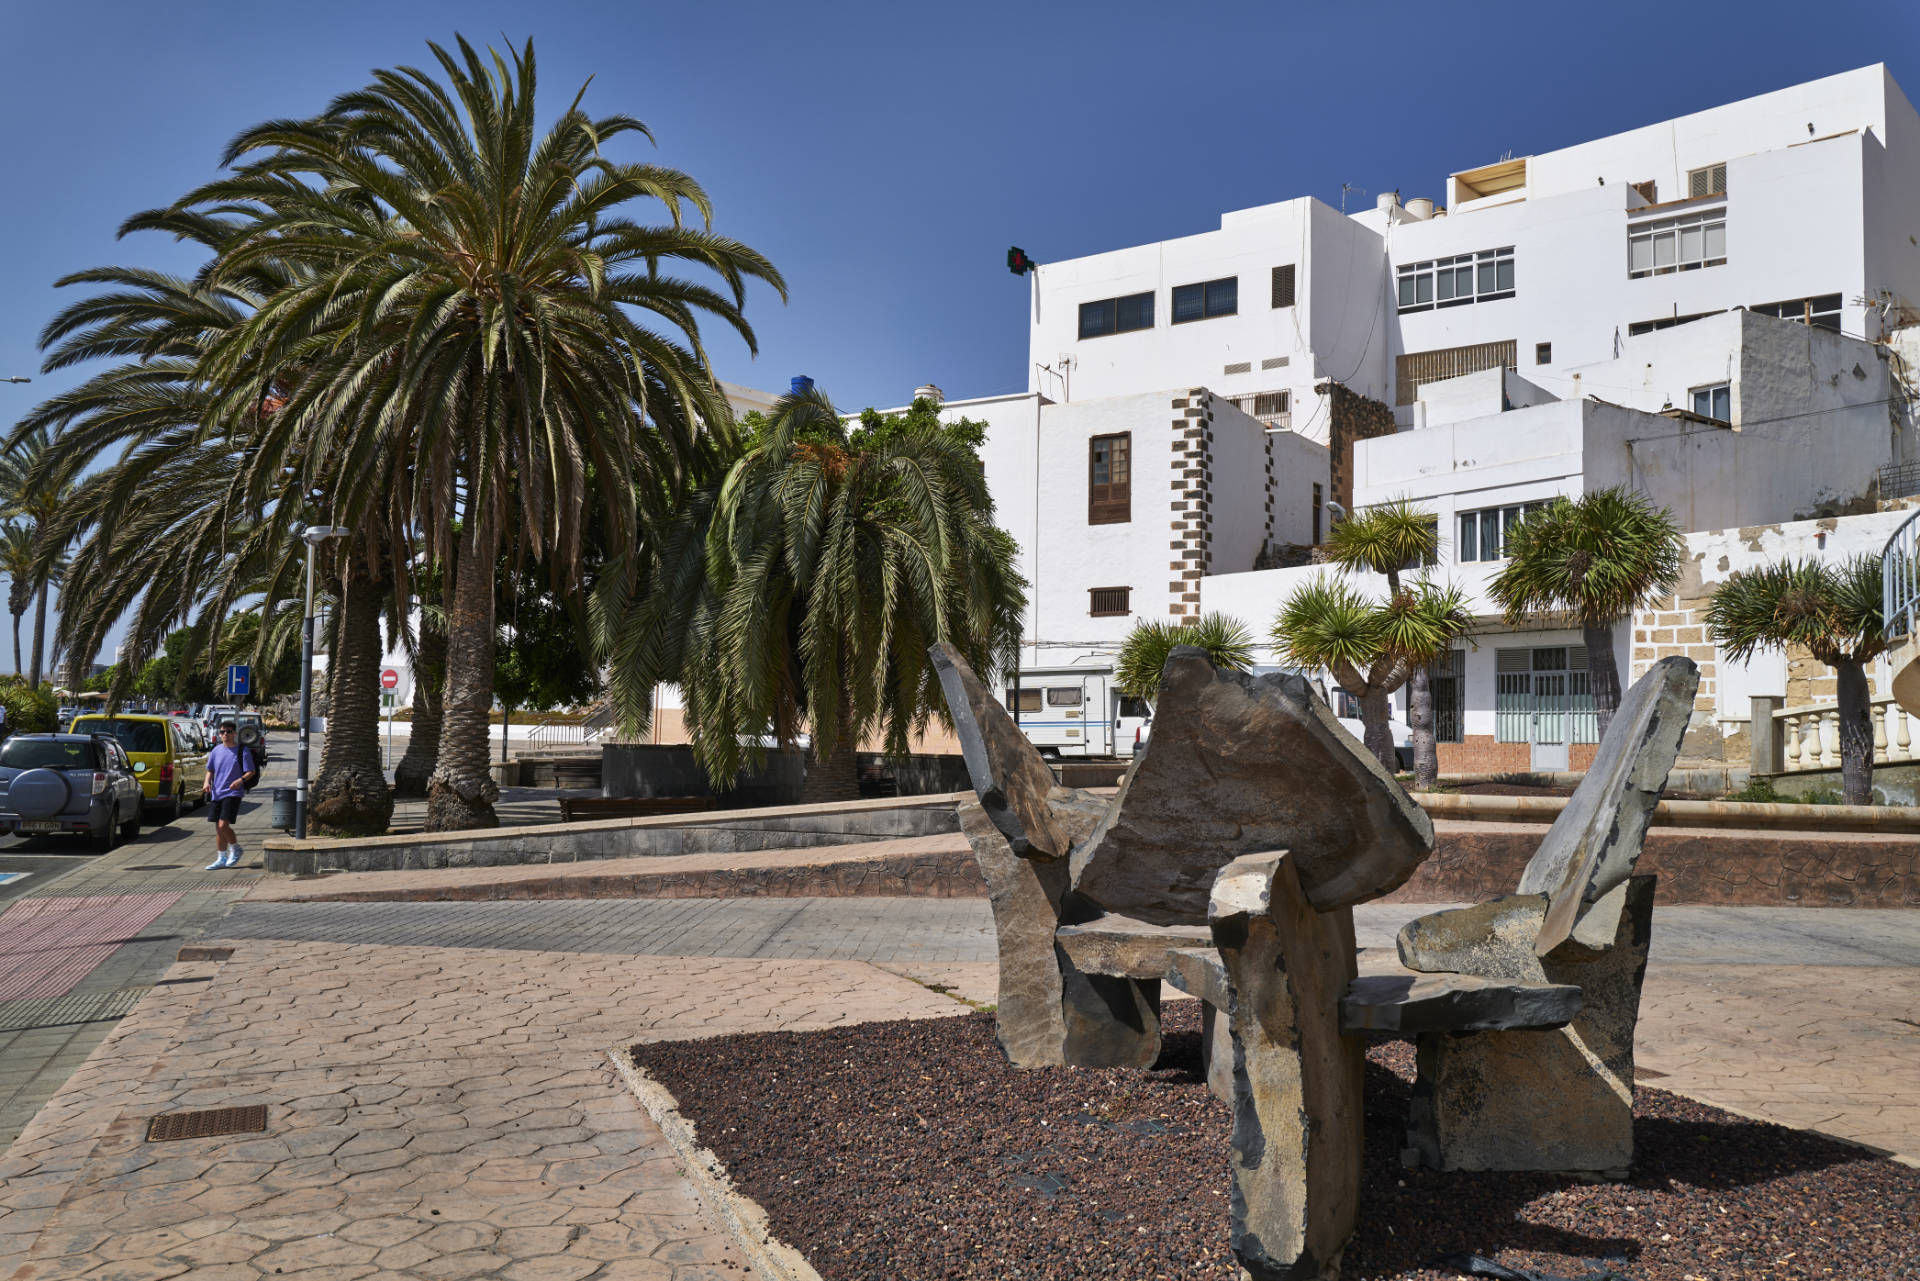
913	1150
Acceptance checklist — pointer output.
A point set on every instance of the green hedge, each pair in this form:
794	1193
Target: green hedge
29	711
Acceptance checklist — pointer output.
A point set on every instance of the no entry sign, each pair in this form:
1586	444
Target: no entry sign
389	679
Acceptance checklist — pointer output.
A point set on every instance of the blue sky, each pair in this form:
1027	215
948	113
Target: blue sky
883	155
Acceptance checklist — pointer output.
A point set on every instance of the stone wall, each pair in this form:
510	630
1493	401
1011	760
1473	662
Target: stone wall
1482	754
1351	417
1192	521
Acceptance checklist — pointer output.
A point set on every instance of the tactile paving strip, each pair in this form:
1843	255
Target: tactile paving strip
169	1126
61	1011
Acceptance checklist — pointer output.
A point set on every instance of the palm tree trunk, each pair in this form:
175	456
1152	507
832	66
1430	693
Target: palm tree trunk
423	741
833	769
1603	674
461	791
39	634
18	668
1426	755
350	797
1376	715
1856	730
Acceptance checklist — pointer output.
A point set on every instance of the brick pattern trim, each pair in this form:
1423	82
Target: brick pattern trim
1192	489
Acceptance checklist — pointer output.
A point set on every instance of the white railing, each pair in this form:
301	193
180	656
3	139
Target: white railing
1809	737
1900	579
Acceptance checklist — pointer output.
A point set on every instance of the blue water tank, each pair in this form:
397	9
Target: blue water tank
801	384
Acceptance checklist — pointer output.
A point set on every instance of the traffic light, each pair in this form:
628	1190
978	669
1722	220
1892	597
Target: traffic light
1018	263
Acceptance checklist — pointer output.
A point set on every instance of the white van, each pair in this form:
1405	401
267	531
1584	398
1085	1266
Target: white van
1075	711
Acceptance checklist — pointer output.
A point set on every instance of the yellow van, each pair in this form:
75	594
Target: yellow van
167	758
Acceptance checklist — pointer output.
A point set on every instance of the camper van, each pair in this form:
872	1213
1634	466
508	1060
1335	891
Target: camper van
1075	711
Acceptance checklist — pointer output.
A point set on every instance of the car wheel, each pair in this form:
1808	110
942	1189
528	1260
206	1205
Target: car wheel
103	840
175	804
130	830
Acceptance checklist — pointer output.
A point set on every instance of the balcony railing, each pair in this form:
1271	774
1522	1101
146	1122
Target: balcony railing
1808	738
1900	578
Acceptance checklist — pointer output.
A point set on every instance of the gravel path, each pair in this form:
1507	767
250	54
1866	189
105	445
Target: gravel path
911	1149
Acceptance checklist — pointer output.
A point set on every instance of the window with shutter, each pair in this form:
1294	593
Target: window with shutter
1109	602
1283	286
1109	479
1708	181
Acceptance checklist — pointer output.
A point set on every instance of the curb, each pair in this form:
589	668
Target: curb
739	1214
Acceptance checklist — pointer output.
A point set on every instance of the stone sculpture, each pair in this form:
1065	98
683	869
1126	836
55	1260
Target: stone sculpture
1557	1099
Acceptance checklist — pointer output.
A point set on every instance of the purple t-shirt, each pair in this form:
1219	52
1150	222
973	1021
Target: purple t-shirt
227	765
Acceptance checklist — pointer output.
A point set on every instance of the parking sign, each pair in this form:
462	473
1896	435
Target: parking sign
239	680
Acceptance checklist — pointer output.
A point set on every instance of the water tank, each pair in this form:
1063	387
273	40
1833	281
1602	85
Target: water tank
801	384
1387	201
1420	207
927	391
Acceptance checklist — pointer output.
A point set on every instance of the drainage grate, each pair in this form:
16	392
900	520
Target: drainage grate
202	1125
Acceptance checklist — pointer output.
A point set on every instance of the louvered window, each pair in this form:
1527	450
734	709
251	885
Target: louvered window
1283	286
1710	181
1416	368
1109	602
1109	479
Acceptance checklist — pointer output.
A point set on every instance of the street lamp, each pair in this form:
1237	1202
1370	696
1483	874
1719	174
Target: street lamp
15	380
313	536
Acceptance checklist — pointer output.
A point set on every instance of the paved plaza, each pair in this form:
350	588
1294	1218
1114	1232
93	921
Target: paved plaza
440	1102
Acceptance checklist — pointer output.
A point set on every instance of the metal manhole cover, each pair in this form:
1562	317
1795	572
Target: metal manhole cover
158	867
203	1125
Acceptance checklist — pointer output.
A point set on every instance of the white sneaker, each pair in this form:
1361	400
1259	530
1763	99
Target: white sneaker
219	861
233	857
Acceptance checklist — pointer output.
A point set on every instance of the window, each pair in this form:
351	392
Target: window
1063	696
1483	533
1639	327
1109	491
1109	602
1345	705
135	736
1116	315
47	753
1415	369
1710	181
1543	695
1135	708
1023	700
1486	276
1686	243
1543	353
1283	286
1272	408
1649	191
1207	300
1316	513
1713	402
1447	682
1823	311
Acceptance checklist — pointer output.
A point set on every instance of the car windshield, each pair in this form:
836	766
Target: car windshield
135	736
46	753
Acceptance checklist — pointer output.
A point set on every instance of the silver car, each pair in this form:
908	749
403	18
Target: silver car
80	784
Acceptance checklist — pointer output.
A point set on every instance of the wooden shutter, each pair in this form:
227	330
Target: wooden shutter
1109	479
1109	602
1283	286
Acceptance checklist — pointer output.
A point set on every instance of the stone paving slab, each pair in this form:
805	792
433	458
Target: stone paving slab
937	866
464	1122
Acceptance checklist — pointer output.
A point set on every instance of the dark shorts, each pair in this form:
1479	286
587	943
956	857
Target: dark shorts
223	809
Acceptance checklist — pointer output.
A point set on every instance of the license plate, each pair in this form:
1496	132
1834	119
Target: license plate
39	825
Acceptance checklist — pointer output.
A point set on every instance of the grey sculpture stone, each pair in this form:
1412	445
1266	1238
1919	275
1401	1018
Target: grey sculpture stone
1405	1002
1237	765
1593	845
1010	778
1557	1100
1297	1078
1199	973
1126	948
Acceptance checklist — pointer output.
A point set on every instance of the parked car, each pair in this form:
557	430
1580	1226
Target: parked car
214	713
170	763
64	717
69	783
253	735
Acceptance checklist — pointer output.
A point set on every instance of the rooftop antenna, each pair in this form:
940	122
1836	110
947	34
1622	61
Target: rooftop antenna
1346	187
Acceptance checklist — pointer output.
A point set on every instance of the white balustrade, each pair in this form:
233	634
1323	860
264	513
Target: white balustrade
1810	736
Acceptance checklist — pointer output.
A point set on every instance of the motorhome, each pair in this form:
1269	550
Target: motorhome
1075	711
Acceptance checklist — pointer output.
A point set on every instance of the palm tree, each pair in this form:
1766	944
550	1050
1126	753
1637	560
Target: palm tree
806	586
1597	557
1327	624
1143	654
29	491
1834	613
16	562
1387	539
1421	625
463	311
428	652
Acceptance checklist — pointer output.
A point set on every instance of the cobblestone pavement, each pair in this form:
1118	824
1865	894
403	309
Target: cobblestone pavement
463	1122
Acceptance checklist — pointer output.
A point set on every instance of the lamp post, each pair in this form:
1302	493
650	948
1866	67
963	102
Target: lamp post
15	380
313	536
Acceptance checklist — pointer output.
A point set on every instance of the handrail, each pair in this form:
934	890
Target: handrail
1900	579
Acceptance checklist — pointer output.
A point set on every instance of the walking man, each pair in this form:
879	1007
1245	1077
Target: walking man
230	772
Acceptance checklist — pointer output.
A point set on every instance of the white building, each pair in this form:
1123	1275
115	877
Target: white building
1615	312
